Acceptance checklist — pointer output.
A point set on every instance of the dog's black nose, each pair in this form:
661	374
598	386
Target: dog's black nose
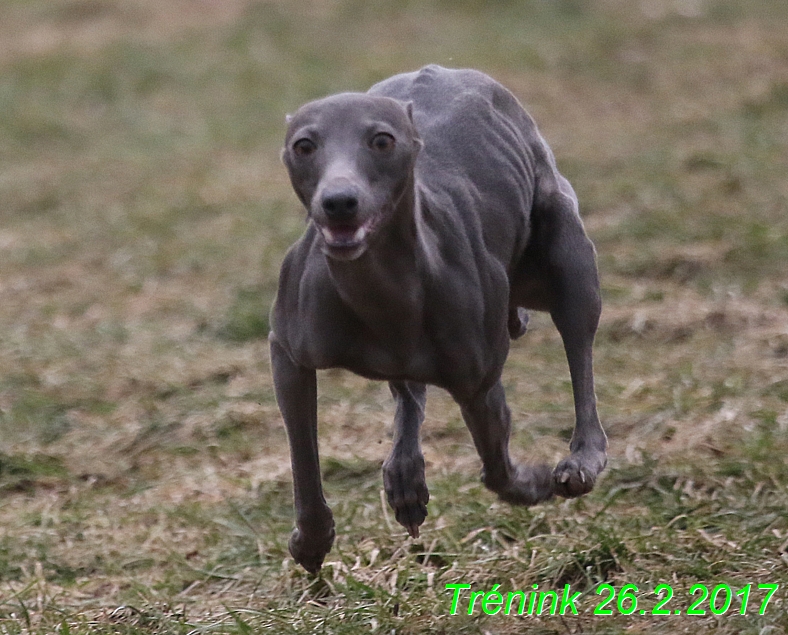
340	205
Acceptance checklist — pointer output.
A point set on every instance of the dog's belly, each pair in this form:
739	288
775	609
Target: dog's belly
459	364
377	362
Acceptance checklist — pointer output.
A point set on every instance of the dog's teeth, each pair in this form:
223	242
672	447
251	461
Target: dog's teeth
360	234
327	234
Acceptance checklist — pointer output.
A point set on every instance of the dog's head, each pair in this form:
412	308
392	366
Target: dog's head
350	158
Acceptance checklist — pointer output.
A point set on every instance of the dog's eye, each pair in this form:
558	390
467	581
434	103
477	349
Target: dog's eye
304	147
382	142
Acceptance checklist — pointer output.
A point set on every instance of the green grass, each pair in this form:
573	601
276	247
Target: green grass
144	473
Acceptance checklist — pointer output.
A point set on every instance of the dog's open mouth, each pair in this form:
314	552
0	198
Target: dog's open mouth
344	235
346	239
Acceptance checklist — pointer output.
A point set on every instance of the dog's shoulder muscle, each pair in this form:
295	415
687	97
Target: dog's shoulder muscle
481	149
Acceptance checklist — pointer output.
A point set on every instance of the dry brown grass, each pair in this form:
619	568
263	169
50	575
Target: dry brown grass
143	214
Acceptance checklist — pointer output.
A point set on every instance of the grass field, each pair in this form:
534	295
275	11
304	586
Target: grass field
144	474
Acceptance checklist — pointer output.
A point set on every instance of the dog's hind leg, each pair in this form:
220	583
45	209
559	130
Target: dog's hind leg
489	420
296	394
518	322
569	261
403	471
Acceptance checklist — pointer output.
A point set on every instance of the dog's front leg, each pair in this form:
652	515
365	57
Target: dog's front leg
489	421
403	471
296	394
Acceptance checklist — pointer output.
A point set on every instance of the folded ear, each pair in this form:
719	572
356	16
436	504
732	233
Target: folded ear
409	110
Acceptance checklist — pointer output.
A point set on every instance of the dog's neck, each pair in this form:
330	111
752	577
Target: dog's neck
383	285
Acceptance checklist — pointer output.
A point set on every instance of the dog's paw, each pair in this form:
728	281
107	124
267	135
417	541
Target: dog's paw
310	551
530	485
576	474
406	491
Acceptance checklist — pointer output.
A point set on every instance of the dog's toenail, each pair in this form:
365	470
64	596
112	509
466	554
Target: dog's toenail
564	477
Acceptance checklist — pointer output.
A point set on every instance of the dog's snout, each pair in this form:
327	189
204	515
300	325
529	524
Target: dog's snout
340	204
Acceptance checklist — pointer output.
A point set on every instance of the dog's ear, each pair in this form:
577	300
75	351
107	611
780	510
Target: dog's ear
409	110
416	138
288	119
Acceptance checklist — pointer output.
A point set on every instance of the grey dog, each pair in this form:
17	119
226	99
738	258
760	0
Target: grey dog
437	216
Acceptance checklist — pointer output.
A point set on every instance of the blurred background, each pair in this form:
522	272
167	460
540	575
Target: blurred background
144	474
